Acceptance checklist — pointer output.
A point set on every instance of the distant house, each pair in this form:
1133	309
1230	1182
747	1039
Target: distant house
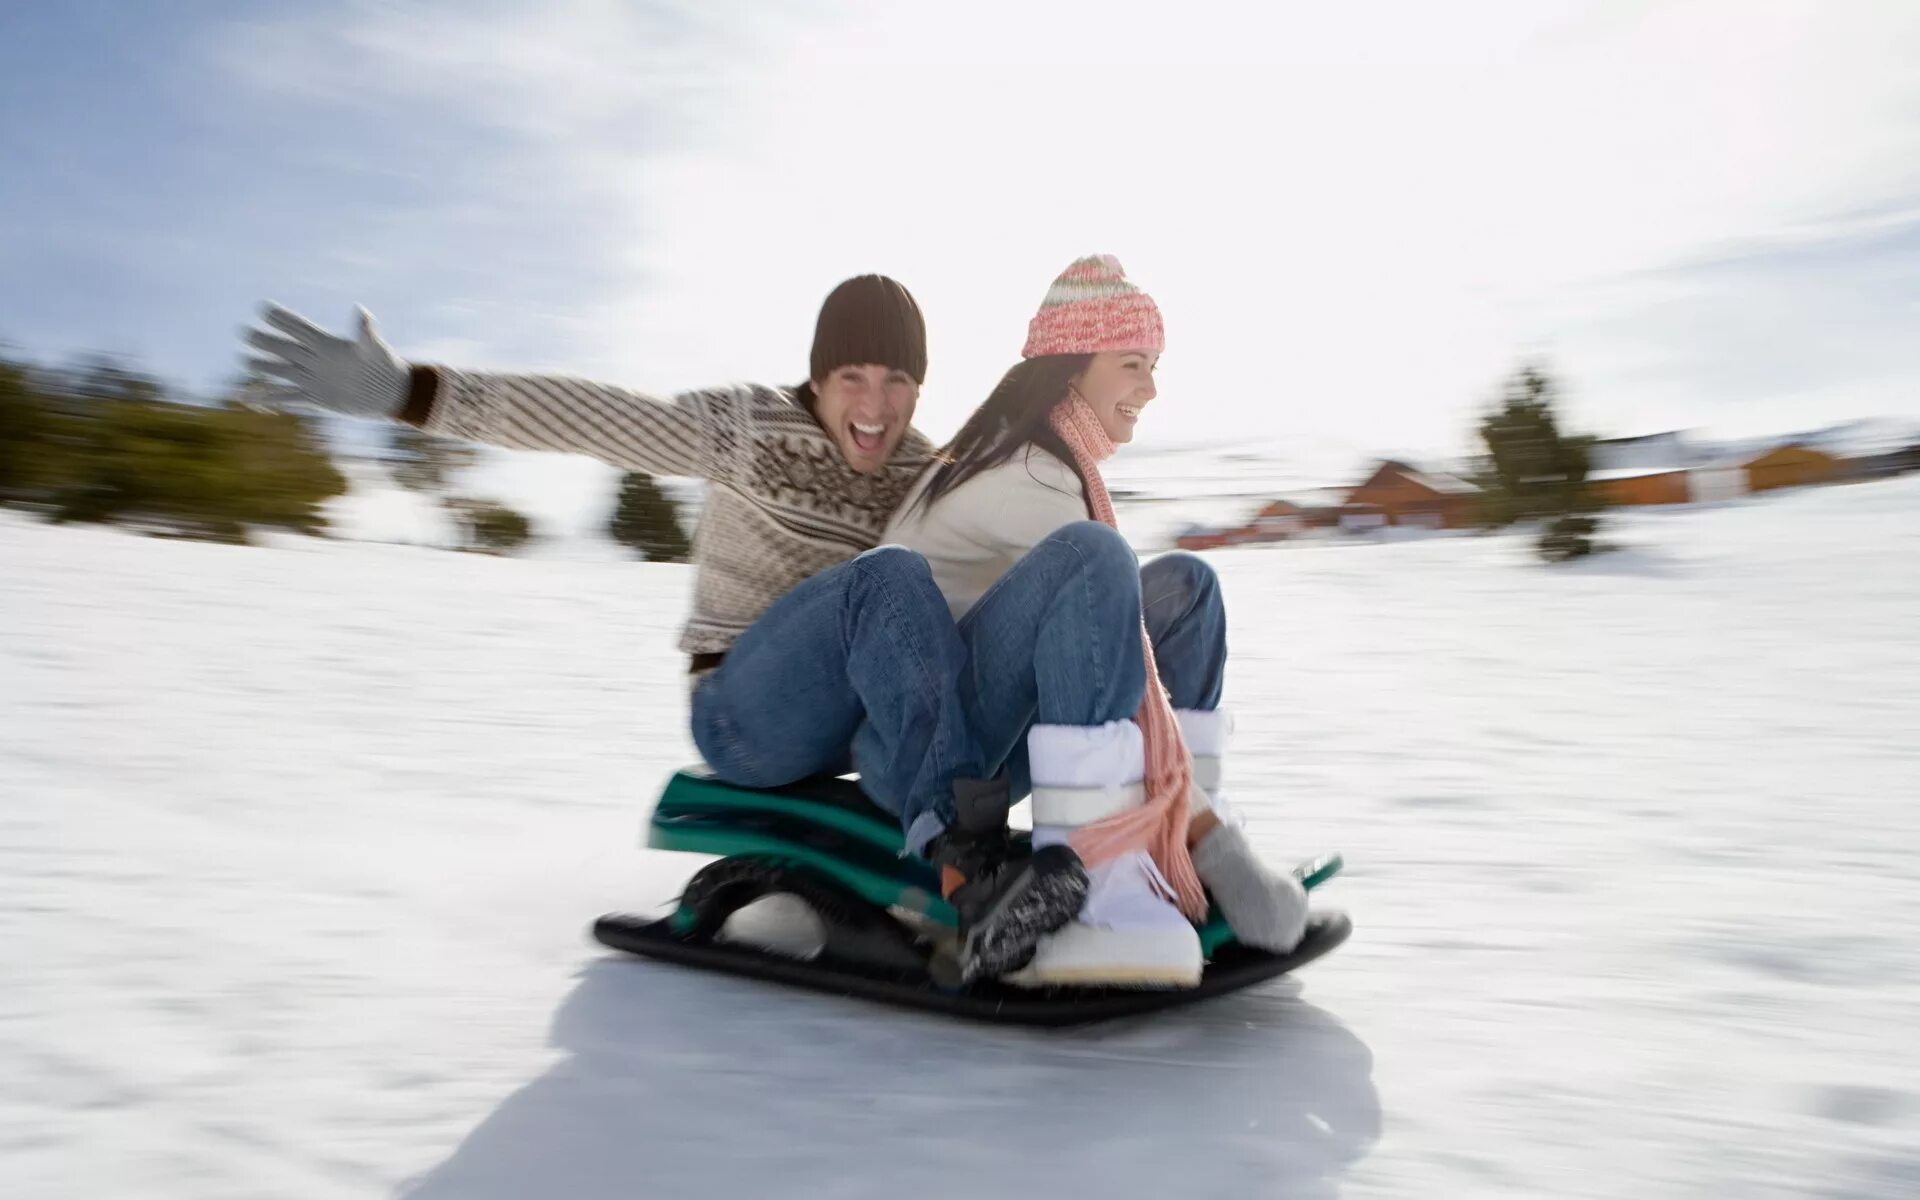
1202	538
1791	465
1279	520
1642	485
1869	448
1315	508
1715	482
1657	468
1275	522
1361	517
1399	494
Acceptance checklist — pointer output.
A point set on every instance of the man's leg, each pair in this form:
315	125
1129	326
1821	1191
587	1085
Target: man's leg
864	654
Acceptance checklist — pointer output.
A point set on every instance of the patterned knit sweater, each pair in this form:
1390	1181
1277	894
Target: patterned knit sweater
782	503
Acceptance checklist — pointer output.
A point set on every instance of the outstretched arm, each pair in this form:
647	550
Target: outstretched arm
363	377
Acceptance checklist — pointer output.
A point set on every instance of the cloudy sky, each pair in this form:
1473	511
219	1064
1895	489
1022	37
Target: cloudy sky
1355	217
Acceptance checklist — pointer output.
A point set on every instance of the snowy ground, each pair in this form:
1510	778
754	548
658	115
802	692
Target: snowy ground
298	846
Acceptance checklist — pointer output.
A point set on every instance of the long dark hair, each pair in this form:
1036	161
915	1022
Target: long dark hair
1013	417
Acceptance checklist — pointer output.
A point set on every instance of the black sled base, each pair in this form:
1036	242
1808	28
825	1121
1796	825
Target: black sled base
880	909
1232	967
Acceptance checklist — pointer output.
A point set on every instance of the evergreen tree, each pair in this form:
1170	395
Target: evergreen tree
203	472
1535	472
284	459
101	442
422	462
25	426
490	528
645	519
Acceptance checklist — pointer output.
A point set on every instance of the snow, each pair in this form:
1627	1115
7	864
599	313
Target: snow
299	845
375	509
1613	473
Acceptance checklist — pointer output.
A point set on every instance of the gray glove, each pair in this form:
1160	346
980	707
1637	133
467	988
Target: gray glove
358	378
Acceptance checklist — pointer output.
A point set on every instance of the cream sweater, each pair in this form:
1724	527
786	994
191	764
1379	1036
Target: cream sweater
974	534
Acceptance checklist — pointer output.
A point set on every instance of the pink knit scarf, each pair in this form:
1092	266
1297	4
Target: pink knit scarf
1159	827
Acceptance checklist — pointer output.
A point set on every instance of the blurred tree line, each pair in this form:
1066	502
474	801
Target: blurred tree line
103	443
100	442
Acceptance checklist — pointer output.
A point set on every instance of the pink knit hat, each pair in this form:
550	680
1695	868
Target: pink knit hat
1091	308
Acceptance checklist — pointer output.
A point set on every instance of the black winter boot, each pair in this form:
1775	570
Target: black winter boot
1007	902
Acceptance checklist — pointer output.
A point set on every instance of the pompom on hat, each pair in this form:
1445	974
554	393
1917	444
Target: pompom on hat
1092	307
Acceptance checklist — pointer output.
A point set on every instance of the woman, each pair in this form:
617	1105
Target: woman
1064	628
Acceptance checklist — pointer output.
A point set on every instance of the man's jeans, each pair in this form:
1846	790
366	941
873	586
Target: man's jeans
857	668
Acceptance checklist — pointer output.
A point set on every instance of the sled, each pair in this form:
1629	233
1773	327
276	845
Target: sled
882	920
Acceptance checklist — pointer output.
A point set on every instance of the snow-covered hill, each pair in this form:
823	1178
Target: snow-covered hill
298	846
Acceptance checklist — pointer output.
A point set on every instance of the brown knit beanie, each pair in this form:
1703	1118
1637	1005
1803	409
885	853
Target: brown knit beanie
870	319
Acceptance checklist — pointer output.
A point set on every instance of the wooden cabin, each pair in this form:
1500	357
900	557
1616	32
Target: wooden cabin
1399	494
1791	465
1277	521
1634	486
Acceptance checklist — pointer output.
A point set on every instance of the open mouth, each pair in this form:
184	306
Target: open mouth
1128	411
868	438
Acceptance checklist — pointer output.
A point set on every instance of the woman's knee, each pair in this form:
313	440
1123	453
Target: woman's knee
901	573
894	589
894	564
1106	554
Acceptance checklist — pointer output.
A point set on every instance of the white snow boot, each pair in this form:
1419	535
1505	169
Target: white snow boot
1267	909
1129	933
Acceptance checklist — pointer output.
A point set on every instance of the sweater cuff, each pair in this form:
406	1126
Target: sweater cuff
423	389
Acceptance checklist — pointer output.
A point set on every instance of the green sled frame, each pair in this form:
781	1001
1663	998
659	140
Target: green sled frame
826	843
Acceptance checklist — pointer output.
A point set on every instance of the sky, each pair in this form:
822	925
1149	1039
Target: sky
1356	218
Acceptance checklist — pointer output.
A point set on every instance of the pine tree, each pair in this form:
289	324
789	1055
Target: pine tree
1534	472
24	434
421	462
490	528
103	443
645	519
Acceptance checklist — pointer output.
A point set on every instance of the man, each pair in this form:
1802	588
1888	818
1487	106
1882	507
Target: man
810	651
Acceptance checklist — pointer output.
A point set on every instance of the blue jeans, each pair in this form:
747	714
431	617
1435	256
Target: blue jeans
854	669
1057	640
1187	622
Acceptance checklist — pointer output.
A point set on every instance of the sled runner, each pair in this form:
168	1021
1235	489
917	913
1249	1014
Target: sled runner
883	920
